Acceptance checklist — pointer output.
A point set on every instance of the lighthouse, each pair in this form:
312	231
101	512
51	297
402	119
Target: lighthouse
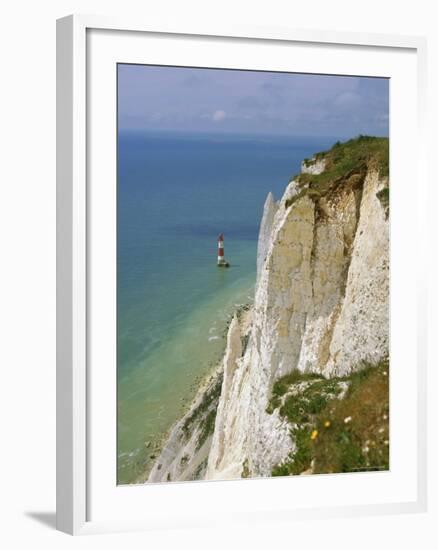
221	262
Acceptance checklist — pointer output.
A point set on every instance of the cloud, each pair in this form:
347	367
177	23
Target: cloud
205	100
219	115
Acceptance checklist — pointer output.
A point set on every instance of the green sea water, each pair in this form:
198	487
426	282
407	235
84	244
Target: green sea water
176	193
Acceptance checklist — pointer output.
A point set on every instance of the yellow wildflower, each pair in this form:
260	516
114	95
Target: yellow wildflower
327	423
314	435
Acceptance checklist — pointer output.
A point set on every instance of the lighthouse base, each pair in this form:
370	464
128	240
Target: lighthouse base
223	263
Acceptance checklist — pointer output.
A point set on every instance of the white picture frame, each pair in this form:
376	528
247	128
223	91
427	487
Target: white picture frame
74	339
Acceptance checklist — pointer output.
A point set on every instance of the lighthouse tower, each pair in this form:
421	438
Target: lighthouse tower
221	262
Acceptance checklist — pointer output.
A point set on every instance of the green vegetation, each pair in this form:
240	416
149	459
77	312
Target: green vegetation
207	427
361	443
299	409
245	469
301	459
243	308
200	469
339	435
283	384
245	340
208	403
346	166
383	196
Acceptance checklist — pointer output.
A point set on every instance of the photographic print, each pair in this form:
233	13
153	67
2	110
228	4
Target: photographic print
252	274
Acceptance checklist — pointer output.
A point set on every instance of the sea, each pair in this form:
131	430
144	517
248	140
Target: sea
176	194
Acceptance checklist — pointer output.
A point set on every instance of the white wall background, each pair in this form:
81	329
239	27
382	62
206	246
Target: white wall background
27	273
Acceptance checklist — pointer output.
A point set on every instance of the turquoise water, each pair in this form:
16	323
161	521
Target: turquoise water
176	193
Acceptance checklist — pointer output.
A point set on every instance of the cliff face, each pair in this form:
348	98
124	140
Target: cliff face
269	210
185	454
321	306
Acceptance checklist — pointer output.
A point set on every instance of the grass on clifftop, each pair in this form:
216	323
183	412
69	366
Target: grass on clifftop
342	435
346	164
345	157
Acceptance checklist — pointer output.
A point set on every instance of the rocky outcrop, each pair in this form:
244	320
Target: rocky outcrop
315	166
361	333
269	211
185	454
234	448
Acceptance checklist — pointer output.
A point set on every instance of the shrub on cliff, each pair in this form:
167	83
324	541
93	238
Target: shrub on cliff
333	435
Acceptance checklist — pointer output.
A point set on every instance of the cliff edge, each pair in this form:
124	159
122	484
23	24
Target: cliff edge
320	315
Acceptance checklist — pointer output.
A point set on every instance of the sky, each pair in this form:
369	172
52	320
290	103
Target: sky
249	102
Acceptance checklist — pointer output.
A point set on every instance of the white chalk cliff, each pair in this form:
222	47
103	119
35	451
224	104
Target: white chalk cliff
321	305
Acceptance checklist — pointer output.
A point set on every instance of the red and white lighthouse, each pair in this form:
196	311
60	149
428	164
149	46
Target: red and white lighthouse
221	262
